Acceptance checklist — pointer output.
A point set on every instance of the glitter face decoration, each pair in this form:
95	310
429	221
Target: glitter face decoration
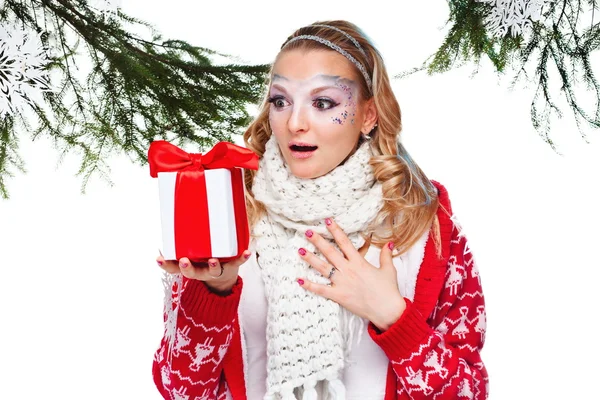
349	103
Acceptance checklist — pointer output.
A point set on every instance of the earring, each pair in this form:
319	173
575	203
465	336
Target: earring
366	136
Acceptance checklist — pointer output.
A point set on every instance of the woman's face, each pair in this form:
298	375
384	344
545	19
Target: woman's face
315	112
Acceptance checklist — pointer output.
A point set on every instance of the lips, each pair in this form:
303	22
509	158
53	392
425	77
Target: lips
302	150
302	147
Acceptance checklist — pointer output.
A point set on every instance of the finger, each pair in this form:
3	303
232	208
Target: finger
214	268
187	269
342	240
169	266
335	257
240	260
385	257
316	288
321	266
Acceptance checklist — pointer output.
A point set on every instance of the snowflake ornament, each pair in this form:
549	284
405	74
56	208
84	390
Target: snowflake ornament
23	78
516	16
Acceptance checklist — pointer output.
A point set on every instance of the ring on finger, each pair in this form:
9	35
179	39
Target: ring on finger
221	274
333	269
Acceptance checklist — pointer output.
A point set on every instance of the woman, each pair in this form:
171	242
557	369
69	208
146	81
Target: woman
357	284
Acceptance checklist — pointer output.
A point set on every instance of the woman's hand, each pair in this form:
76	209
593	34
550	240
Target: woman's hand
219	278
356	285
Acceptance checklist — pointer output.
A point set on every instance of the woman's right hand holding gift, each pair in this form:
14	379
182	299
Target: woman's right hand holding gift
219	278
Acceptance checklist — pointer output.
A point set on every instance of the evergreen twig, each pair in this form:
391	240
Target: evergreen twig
116	92
560	39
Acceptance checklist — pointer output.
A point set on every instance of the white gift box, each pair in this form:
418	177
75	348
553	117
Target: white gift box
220	231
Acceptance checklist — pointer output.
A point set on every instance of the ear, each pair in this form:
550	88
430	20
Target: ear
370	116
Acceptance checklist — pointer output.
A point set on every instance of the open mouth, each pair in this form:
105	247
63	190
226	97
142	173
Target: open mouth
300	148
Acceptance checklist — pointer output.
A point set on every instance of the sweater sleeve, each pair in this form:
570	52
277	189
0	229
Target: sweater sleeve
440	358
199	327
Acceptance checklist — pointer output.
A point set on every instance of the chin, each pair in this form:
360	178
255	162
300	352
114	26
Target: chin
305	172
307	169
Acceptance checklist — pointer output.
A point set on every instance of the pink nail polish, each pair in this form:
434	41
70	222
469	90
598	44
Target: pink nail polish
391	245
328	221
302	251
183	265
309	233
212	264
247	256
300	282
159	262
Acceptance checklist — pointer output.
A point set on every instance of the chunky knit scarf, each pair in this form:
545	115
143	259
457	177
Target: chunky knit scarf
306	334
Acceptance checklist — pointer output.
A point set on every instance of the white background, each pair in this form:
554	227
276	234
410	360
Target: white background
81	294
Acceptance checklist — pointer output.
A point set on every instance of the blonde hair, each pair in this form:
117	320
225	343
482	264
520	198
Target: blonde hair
410	199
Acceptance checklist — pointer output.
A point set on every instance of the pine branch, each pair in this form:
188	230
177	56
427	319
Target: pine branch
9	156
559	38
116	92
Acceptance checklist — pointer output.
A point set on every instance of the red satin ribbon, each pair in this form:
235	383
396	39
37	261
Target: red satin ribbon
192	226
166	157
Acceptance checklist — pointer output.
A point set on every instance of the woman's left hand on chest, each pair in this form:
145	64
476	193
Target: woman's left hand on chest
356	284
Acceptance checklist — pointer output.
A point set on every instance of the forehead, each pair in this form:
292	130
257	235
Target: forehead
315	66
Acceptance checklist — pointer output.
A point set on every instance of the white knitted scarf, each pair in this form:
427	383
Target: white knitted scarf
306	333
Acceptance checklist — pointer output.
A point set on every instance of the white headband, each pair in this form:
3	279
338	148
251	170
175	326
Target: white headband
339	50
358	46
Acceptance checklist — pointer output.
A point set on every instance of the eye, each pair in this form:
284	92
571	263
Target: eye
278	101
324	104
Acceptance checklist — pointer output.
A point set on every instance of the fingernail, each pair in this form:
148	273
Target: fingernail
391	245
302	251
183	265
300	282
328	221
309	233
247	256
159	262
212	264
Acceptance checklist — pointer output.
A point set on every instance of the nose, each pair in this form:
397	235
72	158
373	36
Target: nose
298	121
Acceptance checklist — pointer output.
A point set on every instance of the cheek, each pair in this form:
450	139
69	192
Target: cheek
278	123
348	110
274	118
336	130
340	116
338	141
344	116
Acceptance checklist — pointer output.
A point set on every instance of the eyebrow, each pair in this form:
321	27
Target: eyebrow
315	90
277	76
333	78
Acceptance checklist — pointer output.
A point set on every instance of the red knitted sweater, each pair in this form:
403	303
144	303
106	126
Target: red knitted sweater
434	348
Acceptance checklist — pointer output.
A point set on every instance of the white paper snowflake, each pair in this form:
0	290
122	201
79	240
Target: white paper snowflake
516	16
22	75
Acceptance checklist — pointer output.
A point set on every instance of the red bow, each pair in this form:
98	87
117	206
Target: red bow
166	157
